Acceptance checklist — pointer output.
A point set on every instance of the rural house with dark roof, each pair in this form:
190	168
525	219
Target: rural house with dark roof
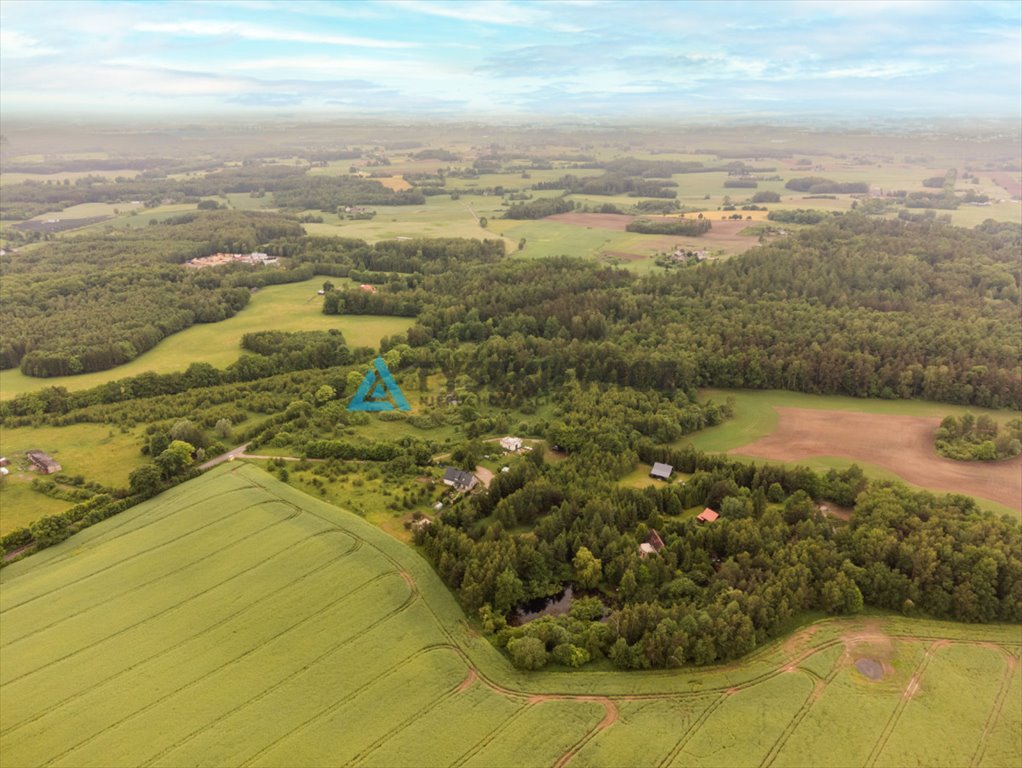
662	471
459	479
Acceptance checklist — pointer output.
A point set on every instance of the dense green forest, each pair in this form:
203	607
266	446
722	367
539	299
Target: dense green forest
291	187
93	302
855	306
716	590
683	227
978	438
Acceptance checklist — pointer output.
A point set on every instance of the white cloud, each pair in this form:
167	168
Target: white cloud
18	45
258	32
497	12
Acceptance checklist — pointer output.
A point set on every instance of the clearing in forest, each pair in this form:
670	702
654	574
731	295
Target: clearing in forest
902	444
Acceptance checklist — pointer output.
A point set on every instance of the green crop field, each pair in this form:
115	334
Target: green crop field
290	307
236	621
438	217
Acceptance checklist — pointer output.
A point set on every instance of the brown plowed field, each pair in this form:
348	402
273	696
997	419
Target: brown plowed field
1010	183
723	235
902	444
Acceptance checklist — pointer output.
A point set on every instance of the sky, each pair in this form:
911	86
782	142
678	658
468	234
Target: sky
454	60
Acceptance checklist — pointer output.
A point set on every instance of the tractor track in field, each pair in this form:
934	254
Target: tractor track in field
691	731
153	704
609	718
1011	664
336	705
492	736
140	622
906	697
449	694
325	654
143	585
211	628
134	556
819	686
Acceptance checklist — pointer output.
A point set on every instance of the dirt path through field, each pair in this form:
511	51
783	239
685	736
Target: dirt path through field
902	444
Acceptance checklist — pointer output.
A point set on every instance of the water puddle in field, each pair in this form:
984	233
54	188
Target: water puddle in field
870	668
555	605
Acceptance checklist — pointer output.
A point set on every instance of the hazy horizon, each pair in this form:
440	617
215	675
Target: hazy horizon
850	62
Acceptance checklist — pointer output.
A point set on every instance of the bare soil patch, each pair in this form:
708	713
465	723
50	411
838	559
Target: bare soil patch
725	234
614	221
833	510
872	651
485	476
470	678
1010	183
902	444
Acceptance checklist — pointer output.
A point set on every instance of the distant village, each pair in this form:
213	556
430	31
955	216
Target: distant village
219	259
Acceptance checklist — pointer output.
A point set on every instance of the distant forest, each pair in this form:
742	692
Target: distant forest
855	306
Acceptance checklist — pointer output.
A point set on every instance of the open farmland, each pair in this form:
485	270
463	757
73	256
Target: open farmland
289	307
902	444
234	620
758	419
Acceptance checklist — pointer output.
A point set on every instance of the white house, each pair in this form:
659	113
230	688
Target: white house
513	444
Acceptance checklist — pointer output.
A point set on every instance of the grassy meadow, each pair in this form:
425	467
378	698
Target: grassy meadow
95	451
235	620
290	307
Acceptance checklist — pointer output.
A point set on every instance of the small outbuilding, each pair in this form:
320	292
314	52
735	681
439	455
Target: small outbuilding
661	471
459	479
652	544
42	461
707	516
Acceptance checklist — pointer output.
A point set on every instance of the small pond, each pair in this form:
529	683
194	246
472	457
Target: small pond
870	668
555	605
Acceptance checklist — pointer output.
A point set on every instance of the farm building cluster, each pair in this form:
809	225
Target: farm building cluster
219	259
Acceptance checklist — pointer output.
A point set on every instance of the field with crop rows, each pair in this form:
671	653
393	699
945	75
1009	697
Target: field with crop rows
234	620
